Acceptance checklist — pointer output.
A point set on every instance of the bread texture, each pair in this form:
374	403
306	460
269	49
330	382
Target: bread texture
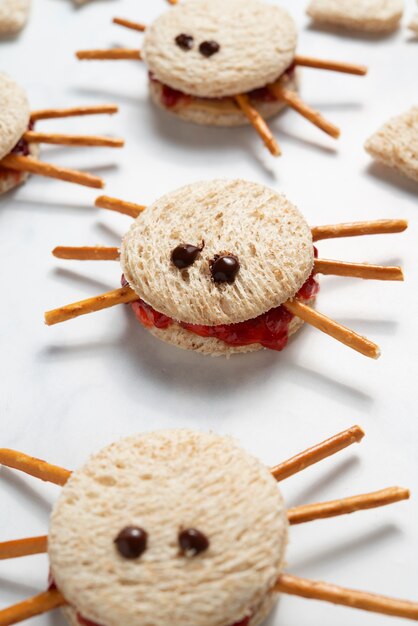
14	114
9	179
257	44
267	234
396	143
413	24
213	112
210	346
374	16
13	16
164	482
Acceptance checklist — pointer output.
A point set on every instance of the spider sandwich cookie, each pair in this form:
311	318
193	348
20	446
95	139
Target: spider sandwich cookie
225	266
162	528
19	142
225	63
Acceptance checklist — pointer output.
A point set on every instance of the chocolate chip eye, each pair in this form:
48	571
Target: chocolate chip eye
192	541
185	42
185	255
208	48
131	542
224	268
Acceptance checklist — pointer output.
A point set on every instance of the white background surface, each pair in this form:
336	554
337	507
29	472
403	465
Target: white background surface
70	389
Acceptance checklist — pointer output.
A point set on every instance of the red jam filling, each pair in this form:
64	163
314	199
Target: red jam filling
171	97
271	329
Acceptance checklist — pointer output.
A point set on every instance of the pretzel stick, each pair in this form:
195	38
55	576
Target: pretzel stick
358	270
355	229
258	123
34	467
33	166
120	206
334	66
31	607
47	114
94	253
293	100
316	590
322	510
317	453
98	303
114	54
23	547
72	140
129	24
333	328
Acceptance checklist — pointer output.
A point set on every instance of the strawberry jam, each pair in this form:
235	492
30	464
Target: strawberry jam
171	97
271	329
22	146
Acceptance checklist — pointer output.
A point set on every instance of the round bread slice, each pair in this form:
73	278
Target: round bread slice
256	40
14	114
221	112
13	16
395	144
260	227
363	15
210	346
165	482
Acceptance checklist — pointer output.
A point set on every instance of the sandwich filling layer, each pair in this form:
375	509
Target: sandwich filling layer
271	329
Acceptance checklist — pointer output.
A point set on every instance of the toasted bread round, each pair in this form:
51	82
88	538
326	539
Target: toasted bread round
13	17
395	144
260	227
256	40
14	114
219	112
165	482
363	15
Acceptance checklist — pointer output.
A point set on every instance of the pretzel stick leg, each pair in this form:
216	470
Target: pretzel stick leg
94	253
47	114
293	100
355	229
333	66
344	506
317	453
72	140
120	206
114	54
358	270
129	24
31	607
98	303
23	547
258	123
333	329
35	467
316	590
33	166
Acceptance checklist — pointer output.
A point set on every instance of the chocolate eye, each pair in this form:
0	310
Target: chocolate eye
185	255
185	42
224	268
192	541
208	48
131	542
